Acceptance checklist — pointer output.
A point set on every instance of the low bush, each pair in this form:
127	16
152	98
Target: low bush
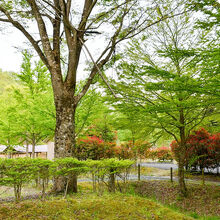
164	154
16	172
202	150
161	154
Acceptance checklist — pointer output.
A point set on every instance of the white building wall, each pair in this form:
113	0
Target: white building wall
50	150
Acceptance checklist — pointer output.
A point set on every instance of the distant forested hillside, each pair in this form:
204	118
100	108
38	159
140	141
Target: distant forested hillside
6	80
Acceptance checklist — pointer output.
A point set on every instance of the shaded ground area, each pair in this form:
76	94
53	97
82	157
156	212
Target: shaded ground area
202	200
90	206
208	177
28	191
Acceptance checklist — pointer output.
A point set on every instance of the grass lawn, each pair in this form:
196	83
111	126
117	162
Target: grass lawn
201	200
90	206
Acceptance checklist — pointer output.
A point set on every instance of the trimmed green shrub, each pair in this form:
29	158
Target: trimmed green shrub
16	172
68	167
106	171
43	169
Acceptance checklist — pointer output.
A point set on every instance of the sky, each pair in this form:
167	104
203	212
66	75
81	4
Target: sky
10	55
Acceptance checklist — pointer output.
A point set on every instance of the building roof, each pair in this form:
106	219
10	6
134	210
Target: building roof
2	148
22	149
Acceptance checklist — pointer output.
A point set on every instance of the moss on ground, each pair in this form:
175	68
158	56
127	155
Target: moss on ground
89	206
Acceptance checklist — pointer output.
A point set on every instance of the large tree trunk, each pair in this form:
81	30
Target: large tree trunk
65	138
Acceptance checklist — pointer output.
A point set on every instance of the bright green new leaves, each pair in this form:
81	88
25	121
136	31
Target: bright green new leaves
35	106
70	166
27	109
209	8
16	172
9	128
170	83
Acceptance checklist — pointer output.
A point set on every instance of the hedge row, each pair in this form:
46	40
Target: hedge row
16	172
161	154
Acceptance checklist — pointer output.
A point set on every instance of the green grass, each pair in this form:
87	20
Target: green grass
151	171
89	206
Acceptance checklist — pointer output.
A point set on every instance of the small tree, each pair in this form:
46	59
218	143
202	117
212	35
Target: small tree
16	172
35	105
110	168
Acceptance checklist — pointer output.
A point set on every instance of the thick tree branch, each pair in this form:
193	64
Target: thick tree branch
56	34
43	33
88	7
74	46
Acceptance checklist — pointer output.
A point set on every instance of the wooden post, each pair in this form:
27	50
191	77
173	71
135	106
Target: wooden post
139	172
171	174
203	177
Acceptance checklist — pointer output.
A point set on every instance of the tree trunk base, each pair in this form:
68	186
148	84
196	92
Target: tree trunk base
59	185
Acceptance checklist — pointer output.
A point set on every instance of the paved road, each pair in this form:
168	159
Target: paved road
143	177
164	166
167	166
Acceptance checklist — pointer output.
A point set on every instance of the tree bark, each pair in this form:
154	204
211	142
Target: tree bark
182	153
33	147
27	154
65	137
182	185
112	181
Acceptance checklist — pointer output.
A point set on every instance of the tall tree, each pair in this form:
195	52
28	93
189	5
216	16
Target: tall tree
8	126
165	79
27	111
66	22
35	108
